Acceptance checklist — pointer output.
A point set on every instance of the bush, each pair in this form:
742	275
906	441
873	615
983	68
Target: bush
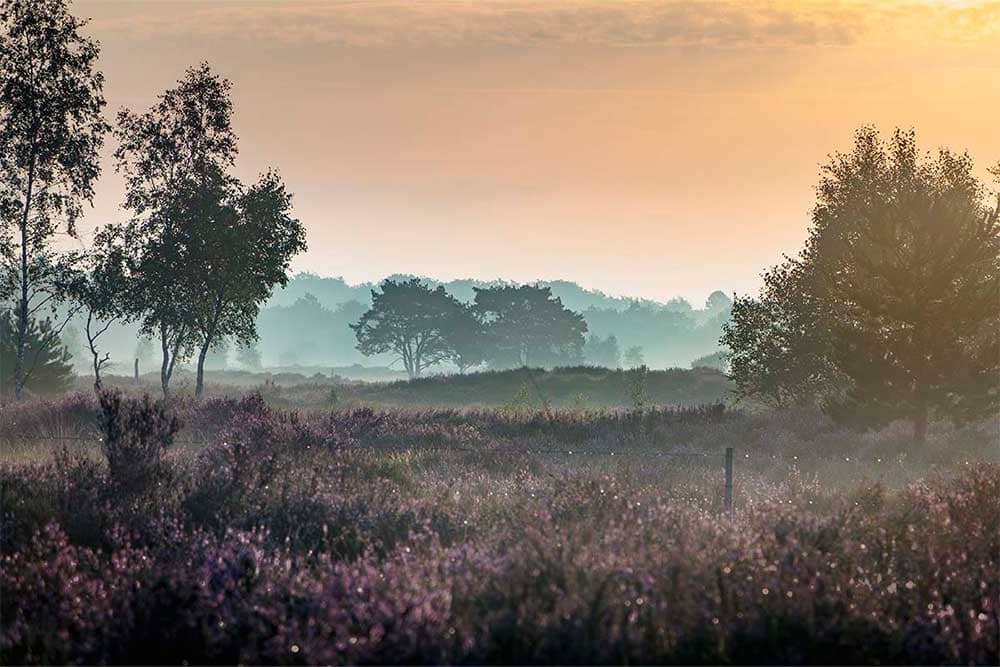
136	433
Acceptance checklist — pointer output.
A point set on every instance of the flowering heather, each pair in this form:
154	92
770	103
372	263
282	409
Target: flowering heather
447	536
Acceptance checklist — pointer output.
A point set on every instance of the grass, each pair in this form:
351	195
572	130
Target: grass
581	387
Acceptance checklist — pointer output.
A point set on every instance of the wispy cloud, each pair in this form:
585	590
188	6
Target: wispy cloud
700	23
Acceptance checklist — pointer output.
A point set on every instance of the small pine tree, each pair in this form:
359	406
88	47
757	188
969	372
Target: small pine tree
47	367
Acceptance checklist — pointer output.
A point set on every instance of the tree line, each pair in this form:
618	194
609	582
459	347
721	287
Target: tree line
505	327
200	251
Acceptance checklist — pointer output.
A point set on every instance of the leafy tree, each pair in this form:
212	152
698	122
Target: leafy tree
47	368
778	344
51	132
246	252
895	293
907	251
174	158
207	250
718	302
634	357
409	320
527	325
602	351
466	338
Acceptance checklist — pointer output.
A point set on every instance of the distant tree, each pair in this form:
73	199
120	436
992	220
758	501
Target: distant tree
47	368
409	320
527	325
100	288
466	337
717	302
717	360
51	133
897	287
602	351
634	357
248	355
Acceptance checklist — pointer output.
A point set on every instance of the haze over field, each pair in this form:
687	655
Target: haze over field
648	149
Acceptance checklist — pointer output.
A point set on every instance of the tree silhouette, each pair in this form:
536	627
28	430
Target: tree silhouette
245	250
410	320
51	132
527	325
894	299
174	158
207	250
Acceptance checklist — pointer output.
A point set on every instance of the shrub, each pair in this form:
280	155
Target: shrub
136	433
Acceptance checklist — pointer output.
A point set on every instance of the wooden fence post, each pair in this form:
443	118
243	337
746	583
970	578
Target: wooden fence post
728	498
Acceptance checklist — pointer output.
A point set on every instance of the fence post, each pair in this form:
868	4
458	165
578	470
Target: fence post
728	498
135	379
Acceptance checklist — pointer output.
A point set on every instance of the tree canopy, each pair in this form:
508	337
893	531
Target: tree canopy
892	309
526	325
51	133
411	321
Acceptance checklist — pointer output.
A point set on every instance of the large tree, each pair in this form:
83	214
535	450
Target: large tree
410	320
898	287
207	250
527	325
244	251
51	132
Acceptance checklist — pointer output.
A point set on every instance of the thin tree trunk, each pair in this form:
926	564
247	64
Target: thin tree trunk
22	320
94	355
165	365
199	385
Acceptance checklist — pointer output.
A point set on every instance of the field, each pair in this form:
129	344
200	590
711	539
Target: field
261	535
578	387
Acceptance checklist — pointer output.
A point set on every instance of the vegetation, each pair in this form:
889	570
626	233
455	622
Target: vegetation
891	310
51	133
541	511
46	370
483	537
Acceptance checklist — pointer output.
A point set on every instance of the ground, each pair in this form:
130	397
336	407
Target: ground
510	534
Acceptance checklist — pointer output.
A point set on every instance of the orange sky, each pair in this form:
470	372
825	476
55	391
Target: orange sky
652	149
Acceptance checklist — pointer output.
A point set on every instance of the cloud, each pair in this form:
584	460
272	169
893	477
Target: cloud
699	23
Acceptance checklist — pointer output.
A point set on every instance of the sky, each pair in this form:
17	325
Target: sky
649	149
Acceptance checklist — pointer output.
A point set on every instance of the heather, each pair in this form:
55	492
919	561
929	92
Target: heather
232	531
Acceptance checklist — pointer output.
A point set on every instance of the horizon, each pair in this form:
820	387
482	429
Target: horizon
649	150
